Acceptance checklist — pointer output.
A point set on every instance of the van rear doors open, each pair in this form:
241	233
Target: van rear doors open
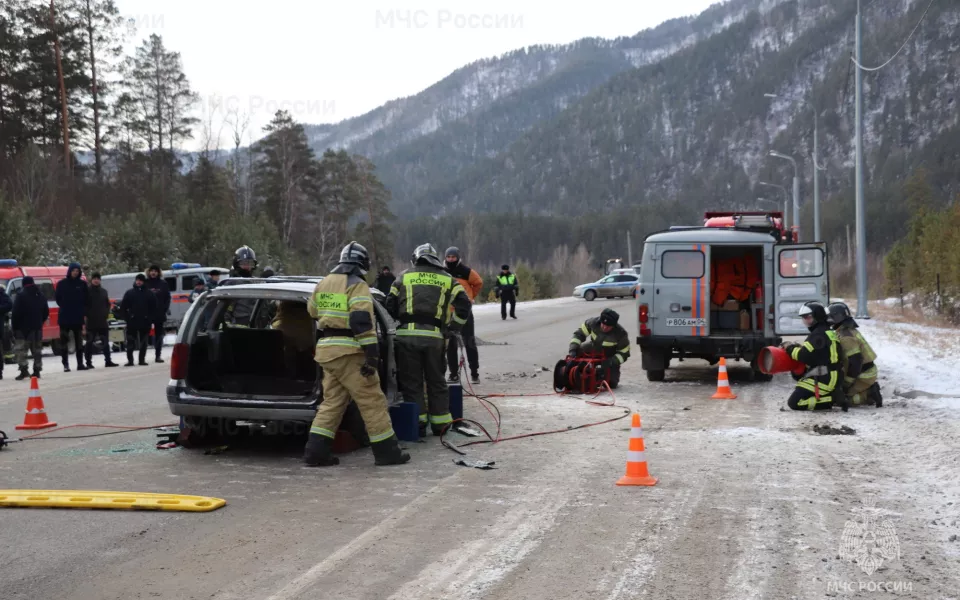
681	291
800	275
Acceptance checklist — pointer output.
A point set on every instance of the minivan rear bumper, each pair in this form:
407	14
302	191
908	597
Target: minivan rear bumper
656	349
188	404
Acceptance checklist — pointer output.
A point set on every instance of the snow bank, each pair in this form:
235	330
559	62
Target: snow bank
916	357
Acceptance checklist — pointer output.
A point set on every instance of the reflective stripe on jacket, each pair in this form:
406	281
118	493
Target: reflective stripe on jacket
614	343
419	300
343	308
821	353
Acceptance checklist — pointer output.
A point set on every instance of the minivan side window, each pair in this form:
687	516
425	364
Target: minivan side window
682	264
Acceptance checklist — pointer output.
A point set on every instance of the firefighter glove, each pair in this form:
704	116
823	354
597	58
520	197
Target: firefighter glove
372	363
610	363
575	351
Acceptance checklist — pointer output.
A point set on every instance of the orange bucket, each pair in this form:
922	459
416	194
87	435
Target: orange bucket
772	360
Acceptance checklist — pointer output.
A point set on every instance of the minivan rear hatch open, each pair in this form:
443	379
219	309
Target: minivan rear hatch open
250	344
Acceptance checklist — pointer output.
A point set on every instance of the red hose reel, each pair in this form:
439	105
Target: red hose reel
581	375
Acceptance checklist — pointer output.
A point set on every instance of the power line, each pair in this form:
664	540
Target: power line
907	41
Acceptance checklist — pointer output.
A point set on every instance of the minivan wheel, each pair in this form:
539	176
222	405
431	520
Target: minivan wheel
656	375
590	296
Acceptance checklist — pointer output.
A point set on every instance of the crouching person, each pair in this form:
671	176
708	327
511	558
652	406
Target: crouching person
859	370
819	387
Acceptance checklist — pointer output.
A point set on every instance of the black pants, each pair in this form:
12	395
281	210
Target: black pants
468	333
138	337
506	297
419	365
98	334
158	334
77	342
803	399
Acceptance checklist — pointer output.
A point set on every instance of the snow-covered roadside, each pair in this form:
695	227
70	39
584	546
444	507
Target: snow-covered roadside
915	357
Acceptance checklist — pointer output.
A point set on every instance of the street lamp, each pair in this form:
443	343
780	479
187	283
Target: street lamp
796	189
786	214
816	174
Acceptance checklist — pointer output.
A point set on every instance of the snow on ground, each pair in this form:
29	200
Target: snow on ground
916	357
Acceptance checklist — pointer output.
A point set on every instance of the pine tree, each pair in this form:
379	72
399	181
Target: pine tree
374	200
285	175
102	22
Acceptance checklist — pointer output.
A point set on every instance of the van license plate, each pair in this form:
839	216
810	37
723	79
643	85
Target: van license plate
686	322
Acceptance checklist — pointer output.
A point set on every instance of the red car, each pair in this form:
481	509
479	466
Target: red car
46	278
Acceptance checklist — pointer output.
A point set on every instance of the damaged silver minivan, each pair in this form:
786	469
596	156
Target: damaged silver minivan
244	352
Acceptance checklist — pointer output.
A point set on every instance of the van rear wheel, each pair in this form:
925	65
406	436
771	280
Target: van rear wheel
656	374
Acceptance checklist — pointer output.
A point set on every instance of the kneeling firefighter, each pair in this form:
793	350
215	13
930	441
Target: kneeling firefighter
420	299
603	335
819	387
350	356
859	370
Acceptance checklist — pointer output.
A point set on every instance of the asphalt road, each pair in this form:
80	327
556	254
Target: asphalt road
750	502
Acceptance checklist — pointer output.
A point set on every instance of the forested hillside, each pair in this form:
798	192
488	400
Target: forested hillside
67	88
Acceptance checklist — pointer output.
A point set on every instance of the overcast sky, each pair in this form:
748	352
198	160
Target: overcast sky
327	60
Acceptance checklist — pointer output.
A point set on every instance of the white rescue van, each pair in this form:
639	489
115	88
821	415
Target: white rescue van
689	305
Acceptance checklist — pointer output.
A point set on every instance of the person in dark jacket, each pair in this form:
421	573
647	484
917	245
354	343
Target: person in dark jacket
161	291
137	309
214	280
72	300
98	310
30	312
384	280
6	305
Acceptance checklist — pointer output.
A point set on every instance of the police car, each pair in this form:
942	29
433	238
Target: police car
180	277
621	283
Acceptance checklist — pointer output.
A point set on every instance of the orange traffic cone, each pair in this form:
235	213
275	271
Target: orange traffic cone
723	383
636	463
36	417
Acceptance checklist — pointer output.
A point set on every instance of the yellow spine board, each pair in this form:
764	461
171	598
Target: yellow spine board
99	499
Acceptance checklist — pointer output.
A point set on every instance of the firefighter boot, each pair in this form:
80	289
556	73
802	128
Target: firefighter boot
319	452
23	374
388	452
874	394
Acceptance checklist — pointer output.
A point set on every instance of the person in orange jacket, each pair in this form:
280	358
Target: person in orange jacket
472	283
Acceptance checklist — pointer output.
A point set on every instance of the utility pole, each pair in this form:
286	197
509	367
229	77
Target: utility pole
861	216
816	180
63	89
629	251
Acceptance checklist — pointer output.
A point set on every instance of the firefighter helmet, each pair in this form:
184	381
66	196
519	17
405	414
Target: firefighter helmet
244	253
815	310
355	254
837	313
426	253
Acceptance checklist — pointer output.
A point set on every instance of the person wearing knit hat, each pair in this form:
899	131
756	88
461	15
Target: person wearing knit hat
30	312
605	335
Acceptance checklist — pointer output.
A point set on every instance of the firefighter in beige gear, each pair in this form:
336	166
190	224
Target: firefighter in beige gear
420	300
349	354
859	369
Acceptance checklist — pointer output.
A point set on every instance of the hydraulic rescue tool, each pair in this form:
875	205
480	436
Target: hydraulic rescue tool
581	375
